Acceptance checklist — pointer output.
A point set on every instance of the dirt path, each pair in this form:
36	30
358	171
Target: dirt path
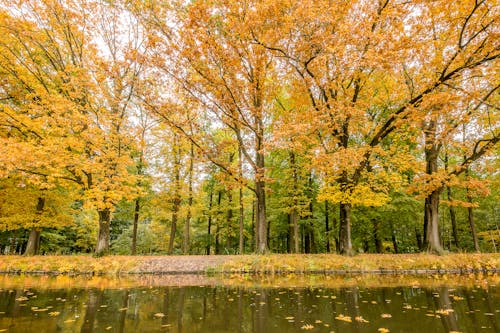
182	264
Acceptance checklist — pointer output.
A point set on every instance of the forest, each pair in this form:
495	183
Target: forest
254	126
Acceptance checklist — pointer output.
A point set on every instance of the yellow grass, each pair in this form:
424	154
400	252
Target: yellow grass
260	264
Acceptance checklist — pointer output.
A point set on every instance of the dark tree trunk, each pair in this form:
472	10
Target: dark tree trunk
33	246
453	219
394	240
379	248
470	217
241	243
345	243
217	226
294	214
137	210
209	224
327	228
453	216
102	247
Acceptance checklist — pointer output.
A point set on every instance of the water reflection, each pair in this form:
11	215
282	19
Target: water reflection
218	308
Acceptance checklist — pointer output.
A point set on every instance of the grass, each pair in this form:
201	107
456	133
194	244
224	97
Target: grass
369	263
256	264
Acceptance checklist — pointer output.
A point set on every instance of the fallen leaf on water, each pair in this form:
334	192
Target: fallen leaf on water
361	319
383	330
54	313
123	309
108	328
159	315
386	315
307	327
341	317
69	321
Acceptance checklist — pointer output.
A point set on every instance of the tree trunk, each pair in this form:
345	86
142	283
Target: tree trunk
209	224
104	231
394	240
255	235
260	184
432	214
294	215
241	243
33	246
177	196
379	248
431	223
261	217
327	228
294	221
470	218
137	209
453	218
185	244
345	243
217	226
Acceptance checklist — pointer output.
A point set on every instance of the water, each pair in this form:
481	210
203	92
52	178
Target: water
184	304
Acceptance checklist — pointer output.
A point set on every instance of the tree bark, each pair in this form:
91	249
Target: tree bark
470	218
177	196
137	209
294	215
241	243
345	243
431	217
327	228
453	219
209	223
185	244
33	246
379	248
102	247
453	216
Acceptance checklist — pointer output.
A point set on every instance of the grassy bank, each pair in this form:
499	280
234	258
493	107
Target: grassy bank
265	264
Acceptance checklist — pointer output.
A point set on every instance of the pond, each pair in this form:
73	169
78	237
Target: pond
245	304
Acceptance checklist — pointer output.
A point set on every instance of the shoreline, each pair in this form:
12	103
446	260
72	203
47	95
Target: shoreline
272	264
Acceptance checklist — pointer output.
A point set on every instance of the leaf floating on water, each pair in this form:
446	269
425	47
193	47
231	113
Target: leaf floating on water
317	321
386	315
108	328
341	317
159	315
122	309
383	330
22	298
361	319
54	313
457	298
69	321
444	312
289	318
166	325
3	330
307	327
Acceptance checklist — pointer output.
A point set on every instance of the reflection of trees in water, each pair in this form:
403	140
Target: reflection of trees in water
123	313
443	303
93	303
491	310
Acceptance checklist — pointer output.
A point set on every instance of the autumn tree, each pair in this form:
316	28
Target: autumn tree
211	55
